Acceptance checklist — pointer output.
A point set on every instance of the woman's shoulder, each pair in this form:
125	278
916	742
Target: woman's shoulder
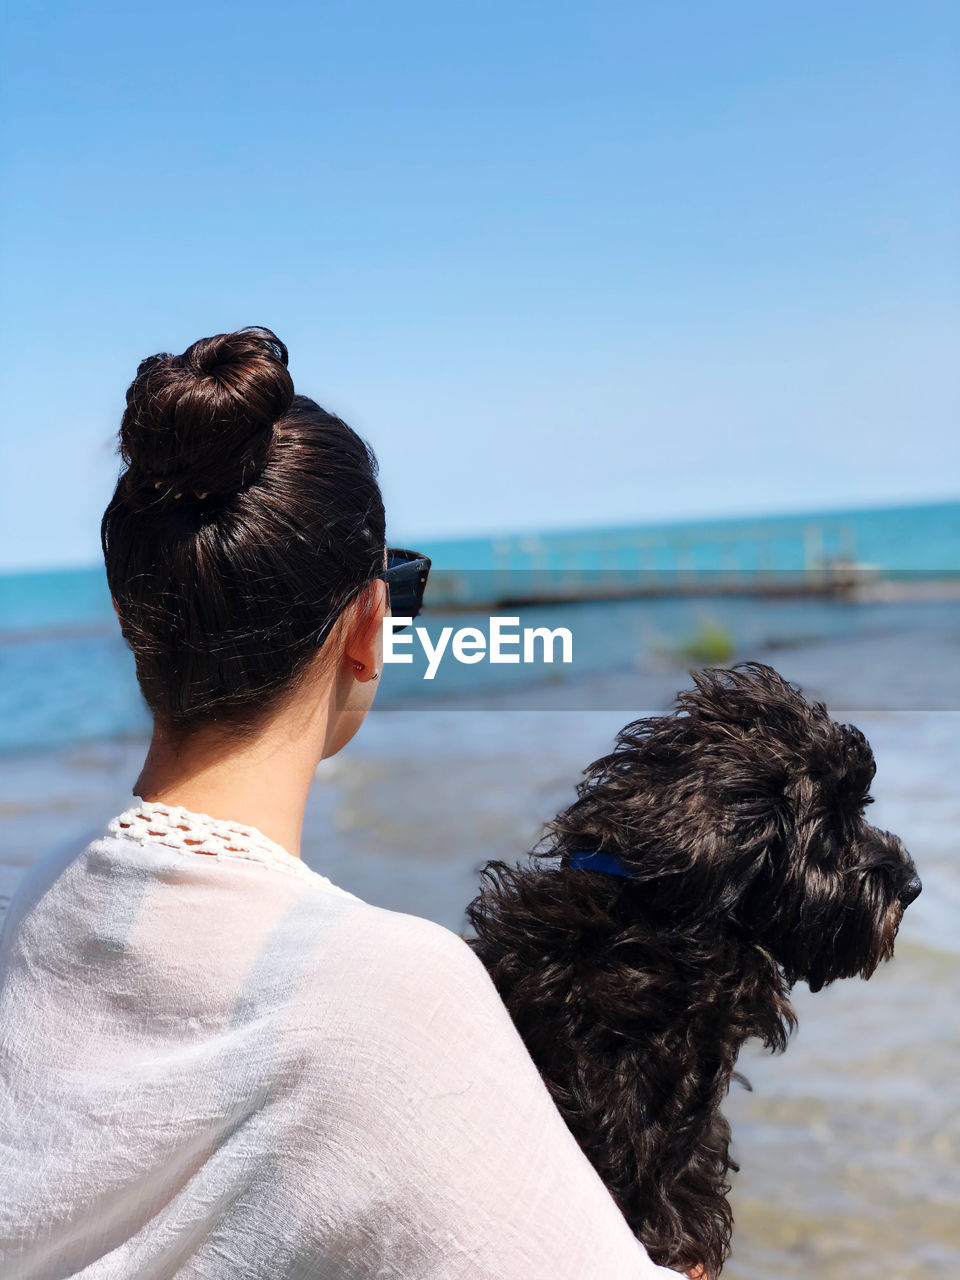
400	948
391	972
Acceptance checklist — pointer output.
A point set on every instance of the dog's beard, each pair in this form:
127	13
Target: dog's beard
841	935
888	934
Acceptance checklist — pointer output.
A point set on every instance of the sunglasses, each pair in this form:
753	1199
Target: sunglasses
406	578
406	575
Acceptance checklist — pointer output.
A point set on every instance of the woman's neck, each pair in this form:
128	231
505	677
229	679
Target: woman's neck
261	782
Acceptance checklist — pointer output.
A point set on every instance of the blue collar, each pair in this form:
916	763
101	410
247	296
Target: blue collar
584	860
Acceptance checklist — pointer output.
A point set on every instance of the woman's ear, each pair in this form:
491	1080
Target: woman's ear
363	650
115	609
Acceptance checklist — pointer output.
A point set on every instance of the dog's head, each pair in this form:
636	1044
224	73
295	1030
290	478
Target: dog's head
743	812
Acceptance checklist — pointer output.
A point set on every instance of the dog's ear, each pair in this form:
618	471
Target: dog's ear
842	766
752	714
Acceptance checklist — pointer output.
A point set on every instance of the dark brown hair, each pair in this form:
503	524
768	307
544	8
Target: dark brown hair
738	820
246	518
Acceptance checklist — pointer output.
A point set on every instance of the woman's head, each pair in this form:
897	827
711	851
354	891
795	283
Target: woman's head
246	519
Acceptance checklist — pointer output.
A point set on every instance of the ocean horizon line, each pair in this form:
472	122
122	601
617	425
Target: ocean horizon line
516	534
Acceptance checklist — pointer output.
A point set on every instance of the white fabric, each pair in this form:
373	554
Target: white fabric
220	1065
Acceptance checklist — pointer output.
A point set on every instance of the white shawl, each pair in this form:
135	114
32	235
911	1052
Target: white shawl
224	1066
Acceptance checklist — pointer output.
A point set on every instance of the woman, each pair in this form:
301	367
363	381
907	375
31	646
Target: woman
216	1063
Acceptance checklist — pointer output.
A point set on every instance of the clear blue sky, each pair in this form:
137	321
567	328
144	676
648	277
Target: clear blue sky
562	263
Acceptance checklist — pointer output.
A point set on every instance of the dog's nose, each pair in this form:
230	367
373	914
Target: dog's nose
910	890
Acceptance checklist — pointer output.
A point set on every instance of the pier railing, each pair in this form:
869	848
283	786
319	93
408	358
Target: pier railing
806	558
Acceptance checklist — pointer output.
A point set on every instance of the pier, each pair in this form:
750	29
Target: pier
803	558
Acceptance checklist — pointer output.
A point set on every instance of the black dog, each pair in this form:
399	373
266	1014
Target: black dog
738	822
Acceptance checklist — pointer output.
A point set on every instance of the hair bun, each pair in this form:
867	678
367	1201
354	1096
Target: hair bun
202	423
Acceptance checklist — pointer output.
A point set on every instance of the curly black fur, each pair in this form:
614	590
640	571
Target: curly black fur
740	819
